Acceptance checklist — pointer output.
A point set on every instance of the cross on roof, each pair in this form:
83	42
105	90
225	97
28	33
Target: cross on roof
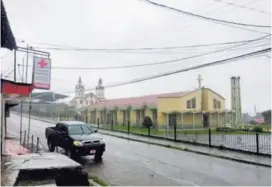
199	81
42	63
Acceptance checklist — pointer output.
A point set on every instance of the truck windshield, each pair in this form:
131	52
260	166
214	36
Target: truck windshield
79	129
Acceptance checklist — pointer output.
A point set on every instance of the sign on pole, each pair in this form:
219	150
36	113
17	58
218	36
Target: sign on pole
42	73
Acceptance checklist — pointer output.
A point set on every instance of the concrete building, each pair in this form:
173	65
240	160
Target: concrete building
183	108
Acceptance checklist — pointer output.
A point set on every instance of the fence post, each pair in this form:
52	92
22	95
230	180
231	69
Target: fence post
38	142
24	142
175	132
32	142
112	124
148	130
210	140
128	126
86	118
257	143
98	123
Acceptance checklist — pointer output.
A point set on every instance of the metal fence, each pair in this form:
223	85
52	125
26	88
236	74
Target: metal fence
33	143
232	139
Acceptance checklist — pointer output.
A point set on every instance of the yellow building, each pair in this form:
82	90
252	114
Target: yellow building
183	108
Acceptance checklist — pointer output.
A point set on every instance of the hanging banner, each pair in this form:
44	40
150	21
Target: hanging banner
42	73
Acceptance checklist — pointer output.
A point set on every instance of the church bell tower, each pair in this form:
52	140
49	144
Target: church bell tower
79	90
99	90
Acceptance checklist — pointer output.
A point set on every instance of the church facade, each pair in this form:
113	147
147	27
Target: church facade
83	100
201	107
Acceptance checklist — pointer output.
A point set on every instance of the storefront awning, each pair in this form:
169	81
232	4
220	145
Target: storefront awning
13	92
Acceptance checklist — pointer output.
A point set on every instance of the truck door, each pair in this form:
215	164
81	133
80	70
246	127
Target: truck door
61	130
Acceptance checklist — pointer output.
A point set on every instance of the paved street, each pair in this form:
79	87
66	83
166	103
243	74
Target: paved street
132	163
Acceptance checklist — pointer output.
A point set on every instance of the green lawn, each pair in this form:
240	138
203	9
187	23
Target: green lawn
140	130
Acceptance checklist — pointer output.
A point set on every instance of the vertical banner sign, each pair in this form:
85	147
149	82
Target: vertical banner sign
42	73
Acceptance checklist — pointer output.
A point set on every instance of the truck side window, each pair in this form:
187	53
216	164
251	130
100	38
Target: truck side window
58	126
62	128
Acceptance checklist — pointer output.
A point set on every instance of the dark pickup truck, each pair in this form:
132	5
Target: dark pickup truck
76	138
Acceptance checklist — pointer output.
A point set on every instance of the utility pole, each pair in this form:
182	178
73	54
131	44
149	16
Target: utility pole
201	88
15	64
23	69
26	61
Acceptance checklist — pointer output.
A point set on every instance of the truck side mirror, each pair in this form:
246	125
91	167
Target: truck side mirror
95	131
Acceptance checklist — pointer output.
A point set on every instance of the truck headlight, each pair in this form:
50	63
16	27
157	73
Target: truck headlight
102	142
78	144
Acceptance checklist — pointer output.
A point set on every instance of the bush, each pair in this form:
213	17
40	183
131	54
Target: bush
257	129
224	129
147	122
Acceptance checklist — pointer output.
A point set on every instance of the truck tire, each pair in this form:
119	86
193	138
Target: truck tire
72	154
51	147
98	156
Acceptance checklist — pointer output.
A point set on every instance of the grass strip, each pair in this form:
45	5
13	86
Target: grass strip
98	180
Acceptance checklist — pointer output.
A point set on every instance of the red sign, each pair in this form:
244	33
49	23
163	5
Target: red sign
42	73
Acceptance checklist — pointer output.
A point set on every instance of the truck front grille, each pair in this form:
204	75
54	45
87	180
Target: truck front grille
92	142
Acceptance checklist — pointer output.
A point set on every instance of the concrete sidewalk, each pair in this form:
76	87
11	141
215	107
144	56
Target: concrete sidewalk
9	172
215	152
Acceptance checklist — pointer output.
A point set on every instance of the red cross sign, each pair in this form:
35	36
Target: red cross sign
42	63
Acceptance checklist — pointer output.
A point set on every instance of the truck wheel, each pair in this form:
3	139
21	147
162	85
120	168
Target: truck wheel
51	147
72	155
98	156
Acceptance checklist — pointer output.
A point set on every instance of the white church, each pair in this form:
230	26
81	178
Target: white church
82	100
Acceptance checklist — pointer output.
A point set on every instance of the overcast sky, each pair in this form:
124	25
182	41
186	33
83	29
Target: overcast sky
137	24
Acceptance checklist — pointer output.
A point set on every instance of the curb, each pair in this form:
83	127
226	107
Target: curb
179	148
190	150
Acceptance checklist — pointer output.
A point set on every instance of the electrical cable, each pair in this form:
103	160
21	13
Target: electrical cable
218	62
241	6
161	62
8	74
62	47
206	18
151	52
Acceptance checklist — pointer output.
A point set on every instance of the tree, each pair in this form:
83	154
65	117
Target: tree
267	116
147	122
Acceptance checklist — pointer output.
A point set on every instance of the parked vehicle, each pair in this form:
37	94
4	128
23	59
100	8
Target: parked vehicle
76	138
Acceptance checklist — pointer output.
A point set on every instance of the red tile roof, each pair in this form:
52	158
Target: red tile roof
149	100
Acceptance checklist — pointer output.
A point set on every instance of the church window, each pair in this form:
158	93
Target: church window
81	101
189	104
194	103
218	104
214	104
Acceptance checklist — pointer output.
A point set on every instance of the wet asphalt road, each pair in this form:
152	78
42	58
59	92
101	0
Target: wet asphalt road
133	163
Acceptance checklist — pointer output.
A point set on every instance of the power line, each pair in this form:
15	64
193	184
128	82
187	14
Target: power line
242	6
197	67
161	62
62	47
218	62
144	52
206	18
8	74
